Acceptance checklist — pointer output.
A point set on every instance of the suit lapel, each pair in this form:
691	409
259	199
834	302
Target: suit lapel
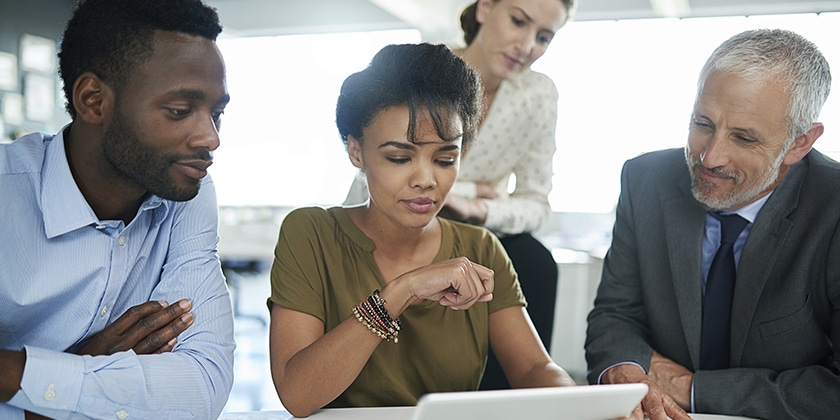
762	247
684	224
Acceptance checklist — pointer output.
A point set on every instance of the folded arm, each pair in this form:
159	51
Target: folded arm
186	378
191	381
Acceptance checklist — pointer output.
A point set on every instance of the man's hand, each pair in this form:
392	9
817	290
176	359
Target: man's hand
12	364
673	378
150	327
657	404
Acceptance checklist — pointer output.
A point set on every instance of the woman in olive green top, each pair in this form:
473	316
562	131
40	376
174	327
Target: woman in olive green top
379	304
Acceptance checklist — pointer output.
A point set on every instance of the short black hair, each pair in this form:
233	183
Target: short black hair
420	76
110	37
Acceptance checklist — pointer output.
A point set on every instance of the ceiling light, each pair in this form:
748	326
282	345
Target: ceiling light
671	8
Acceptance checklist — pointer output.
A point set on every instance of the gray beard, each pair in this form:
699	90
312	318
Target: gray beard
740	193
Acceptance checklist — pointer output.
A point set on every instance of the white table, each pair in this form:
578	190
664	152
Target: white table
379	413
375	413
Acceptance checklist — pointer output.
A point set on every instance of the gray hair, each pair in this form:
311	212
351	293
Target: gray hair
763	54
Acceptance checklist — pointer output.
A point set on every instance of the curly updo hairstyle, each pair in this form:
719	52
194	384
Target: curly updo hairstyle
423	77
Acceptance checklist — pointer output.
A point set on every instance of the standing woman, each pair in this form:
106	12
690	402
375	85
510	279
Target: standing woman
516	138
378	304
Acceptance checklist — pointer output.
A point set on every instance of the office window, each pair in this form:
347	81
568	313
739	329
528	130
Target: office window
280	146
626	87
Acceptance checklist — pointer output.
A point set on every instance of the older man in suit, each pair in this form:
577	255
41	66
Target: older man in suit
754	331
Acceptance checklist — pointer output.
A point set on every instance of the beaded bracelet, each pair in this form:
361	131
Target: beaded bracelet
372	314
379	305
367	324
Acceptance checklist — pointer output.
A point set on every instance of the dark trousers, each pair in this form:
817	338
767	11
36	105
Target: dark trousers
538	277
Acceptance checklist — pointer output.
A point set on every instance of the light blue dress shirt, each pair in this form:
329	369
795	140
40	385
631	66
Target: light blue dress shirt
711	235
65	275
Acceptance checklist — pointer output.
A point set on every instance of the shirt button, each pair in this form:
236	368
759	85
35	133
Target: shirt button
50	394
121	241
122	414
103	311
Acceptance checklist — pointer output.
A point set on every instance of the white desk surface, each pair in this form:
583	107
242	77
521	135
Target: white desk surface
373	413
379	413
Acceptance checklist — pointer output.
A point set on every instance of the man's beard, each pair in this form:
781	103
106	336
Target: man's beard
140	164
741	192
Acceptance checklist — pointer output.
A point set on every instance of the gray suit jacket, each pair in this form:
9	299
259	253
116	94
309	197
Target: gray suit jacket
785	343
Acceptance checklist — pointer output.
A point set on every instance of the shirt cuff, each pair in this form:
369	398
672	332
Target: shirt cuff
51	381
10	412
618	364
693	410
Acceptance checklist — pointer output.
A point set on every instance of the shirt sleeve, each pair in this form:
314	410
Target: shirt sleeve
466	189
693	410
191	381
527	207
601	375
358	192
295	274
507	290
617	324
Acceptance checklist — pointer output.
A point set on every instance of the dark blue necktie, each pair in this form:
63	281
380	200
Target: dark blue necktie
717	302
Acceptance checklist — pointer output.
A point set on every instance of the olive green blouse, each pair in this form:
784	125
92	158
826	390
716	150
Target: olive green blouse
324	266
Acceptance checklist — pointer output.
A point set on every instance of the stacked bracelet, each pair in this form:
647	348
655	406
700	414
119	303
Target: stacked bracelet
372	314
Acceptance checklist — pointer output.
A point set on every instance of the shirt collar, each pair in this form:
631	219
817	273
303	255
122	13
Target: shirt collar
750	211
154	202
63	205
